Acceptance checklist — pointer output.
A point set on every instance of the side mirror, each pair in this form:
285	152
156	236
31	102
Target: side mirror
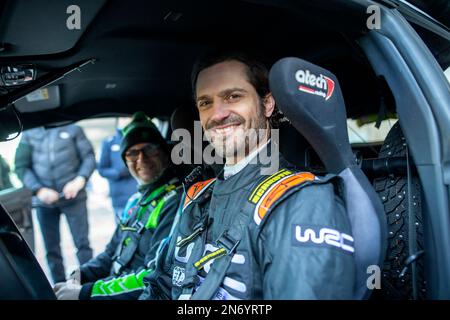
11	126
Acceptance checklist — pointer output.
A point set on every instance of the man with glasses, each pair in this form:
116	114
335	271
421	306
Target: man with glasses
111	166
118	272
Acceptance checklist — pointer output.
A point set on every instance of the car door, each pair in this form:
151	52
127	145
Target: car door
17	203
21	276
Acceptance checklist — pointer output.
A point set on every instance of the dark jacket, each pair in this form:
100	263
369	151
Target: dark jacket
5	181
110	166
292	252
52	157
100	280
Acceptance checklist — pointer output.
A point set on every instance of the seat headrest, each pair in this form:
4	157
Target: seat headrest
183	118
310	97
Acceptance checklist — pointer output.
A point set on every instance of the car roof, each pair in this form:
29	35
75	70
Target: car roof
145	50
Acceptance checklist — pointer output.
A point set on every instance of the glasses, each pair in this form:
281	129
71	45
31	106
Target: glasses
148	151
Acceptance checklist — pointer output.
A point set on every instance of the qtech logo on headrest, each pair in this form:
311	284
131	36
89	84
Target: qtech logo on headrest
319	85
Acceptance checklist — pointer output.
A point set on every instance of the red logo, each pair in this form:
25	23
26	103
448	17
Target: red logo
318	85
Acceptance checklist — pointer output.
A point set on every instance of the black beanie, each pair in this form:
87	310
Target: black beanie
140	130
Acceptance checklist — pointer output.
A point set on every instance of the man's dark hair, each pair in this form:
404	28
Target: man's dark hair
257	74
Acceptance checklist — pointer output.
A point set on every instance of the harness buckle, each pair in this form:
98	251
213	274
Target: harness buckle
139	226
117	267
227	242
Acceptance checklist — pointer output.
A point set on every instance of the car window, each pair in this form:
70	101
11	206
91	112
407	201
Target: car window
8	179
368	132
97	130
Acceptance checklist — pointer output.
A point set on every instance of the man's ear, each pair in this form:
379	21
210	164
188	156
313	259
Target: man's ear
269	105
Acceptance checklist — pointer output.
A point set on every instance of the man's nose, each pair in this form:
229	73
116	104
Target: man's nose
219	111
141	156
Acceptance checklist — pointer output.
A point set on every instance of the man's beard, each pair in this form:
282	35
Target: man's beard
254	132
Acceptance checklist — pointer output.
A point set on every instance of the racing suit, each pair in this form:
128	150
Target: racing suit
117	273
286	236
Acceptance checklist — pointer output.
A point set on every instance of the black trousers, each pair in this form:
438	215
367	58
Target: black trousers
76	215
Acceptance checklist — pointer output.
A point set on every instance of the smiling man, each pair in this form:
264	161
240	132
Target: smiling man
234	117
117	273
245	235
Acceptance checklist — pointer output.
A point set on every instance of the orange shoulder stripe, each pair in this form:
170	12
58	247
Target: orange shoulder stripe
277	190
195	190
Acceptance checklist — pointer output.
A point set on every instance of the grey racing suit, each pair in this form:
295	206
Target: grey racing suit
287	236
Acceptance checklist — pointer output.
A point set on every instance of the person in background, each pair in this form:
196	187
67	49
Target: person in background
55	164
111	166
5	182
117	273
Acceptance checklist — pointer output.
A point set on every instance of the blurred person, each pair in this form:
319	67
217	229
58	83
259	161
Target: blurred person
111	166
118	272
5	182
55	164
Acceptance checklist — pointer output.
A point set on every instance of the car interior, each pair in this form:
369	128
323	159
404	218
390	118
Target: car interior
137	55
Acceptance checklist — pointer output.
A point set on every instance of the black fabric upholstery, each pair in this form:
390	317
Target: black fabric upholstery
311	99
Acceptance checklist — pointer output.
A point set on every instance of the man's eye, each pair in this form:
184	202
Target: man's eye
233	97
203	103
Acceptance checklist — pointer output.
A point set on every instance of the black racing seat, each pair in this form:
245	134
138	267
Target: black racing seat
185	118
297	150
310	97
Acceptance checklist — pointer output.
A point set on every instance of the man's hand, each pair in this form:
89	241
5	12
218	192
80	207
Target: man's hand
75	277
67	290
47	195
74	186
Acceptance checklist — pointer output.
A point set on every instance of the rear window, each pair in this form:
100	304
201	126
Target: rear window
368	133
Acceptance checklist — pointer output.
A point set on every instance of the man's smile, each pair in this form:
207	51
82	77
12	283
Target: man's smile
144	168
225	129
